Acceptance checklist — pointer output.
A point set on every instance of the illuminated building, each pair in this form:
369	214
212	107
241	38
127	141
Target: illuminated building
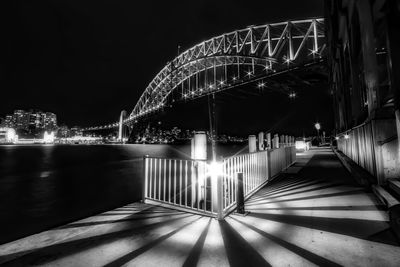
50	121
21	119
8	121
8	135
63	131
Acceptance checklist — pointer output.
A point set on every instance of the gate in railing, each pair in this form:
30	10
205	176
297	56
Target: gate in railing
209	188
254	167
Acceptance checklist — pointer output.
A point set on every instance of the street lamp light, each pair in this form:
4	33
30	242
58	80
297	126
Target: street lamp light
318	127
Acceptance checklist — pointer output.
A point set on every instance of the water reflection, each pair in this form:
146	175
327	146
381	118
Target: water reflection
42	186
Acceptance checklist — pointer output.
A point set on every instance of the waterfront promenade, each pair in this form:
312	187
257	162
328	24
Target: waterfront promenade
313	214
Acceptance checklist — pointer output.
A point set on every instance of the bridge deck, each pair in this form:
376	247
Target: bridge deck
314	214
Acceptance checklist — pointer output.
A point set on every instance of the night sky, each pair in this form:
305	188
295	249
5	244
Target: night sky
88	60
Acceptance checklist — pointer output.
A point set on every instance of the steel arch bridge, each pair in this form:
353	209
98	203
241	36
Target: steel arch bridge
229	60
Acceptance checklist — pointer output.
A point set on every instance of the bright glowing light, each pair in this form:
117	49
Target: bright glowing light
261	85
201	89
346	136
300	144
211	86
249	73
292	95
48	138
10	135
221	83
337	138
193	92
185	95
214	169
317	126
313	52
234	78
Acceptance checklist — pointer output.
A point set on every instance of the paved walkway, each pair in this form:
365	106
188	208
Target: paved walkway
313	215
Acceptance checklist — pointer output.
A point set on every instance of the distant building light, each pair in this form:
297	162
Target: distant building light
346	136
48	138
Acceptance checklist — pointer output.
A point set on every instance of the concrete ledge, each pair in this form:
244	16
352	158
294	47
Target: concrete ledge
384	196
395	186
362	177
367	180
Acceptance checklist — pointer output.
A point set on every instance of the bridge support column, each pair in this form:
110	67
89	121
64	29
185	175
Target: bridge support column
261	141
268	146
121	126
276	141
252	144
199	152
281	141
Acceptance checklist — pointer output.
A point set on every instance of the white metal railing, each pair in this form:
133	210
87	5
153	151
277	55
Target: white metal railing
254	167
190	184
280	159
179	183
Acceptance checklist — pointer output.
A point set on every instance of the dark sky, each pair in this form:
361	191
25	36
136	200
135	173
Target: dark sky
88	60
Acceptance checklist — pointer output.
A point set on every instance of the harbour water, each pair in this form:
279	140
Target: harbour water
43	186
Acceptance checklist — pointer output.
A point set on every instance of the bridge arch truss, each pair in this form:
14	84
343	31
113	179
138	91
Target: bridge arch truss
232	59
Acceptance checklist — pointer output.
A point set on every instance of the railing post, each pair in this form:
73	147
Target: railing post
240	194
145	178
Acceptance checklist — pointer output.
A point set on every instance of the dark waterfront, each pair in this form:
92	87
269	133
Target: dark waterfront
45	186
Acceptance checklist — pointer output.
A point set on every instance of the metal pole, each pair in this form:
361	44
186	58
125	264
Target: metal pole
145	176
211	112
240	194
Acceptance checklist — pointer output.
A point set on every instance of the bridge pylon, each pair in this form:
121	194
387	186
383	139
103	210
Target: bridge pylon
121	126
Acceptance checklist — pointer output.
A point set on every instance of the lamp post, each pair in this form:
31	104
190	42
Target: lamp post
318	127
